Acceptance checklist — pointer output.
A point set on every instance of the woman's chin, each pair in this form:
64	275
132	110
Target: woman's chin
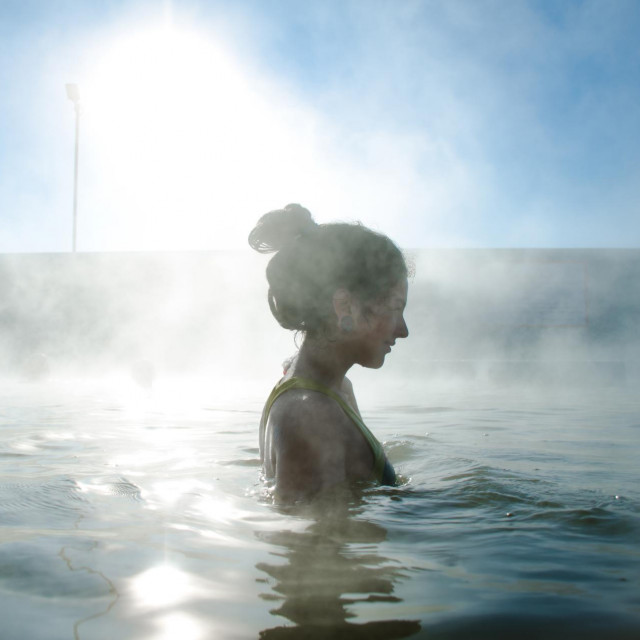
374	363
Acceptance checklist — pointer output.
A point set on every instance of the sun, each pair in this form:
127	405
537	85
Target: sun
183	147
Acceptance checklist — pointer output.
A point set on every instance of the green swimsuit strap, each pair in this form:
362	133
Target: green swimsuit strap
379	458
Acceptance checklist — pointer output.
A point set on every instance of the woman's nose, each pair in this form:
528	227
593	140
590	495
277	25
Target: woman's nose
402	331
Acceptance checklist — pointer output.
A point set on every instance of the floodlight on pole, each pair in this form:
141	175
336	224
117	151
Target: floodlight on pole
73	93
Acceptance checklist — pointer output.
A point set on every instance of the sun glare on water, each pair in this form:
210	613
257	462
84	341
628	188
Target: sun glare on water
182	146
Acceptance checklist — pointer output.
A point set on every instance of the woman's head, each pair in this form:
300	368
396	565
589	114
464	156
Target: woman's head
314	261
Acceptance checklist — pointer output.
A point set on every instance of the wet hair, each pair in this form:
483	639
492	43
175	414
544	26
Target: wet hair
313	261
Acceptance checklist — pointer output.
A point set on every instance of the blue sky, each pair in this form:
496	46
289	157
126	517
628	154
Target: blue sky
449	123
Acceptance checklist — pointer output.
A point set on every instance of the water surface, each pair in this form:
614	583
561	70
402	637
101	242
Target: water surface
127	513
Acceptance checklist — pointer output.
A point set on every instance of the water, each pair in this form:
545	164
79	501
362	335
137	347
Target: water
133	514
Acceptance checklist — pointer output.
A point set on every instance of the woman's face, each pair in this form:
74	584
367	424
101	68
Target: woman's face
379	325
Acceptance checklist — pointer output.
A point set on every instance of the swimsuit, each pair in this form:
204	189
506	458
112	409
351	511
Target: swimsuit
383	472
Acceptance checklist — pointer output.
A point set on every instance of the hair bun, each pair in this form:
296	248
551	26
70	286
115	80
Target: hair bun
280	227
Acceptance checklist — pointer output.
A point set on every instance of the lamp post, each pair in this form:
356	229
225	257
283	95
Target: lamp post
73	93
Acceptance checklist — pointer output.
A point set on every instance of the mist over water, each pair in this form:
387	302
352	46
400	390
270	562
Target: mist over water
486	316
97	314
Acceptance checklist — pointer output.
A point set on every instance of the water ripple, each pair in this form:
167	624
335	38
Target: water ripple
60	496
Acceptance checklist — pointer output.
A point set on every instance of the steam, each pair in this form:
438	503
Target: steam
520	317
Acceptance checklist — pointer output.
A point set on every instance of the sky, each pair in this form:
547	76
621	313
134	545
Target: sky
443	123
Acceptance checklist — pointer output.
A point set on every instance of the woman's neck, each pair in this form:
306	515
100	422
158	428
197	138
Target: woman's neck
323	361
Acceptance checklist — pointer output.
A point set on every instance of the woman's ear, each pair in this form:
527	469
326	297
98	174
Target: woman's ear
343	303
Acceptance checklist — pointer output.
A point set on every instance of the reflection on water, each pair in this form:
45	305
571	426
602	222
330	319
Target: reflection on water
329	567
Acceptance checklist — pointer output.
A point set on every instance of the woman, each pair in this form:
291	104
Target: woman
345	288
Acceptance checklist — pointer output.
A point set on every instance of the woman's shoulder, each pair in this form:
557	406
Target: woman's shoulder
306	410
